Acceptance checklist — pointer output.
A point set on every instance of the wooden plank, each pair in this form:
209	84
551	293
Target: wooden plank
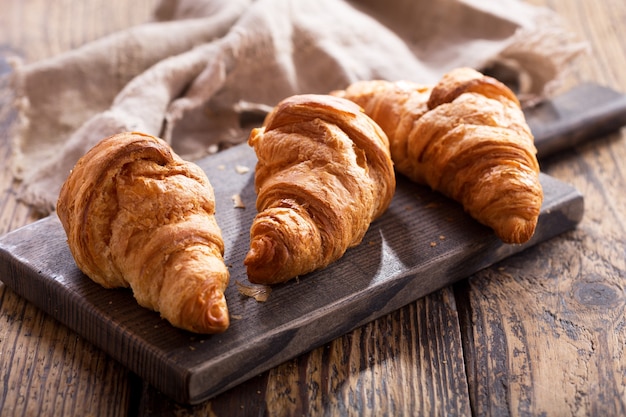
409	362
545	331
46	368
423	243
54	28
78	368
545	340
585	112
56	370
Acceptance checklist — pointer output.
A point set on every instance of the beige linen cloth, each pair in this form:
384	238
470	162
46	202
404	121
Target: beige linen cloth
193	73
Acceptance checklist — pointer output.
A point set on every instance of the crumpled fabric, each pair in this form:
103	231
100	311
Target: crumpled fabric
202	71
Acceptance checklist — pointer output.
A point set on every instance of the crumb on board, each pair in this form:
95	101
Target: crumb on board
433	244
240	169
221	167
259	292
237	201
442	237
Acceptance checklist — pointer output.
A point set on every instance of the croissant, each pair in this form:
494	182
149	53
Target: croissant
465	137
137	215
324	173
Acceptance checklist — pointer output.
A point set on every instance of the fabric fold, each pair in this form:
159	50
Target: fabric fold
187	75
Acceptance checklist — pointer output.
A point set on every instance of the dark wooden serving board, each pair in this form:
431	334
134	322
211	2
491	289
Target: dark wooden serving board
422	243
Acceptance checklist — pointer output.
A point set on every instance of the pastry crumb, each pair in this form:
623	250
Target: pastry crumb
433	244
240	169
221	167
237	201
442	237
259	292
236	316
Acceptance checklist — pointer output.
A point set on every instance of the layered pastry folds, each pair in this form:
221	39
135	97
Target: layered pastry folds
324	173
465	137
136	215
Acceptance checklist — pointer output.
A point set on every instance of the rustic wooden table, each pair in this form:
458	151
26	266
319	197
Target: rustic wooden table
541	333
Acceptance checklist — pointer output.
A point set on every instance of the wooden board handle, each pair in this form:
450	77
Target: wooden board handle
586	112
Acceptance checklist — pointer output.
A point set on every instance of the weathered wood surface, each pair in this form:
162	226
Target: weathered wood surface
544	331
45	368
541	332
423	243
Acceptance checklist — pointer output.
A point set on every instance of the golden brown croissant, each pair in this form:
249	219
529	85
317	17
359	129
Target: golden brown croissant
465	137
137	215
324	173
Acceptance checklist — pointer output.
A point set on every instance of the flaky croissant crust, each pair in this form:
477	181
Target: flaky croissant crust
465	137
324	173
137	215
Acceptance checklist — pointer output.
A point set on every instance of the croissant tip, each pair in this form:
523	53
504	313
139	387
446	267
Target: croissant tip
264	261
217	319
207	314
517	230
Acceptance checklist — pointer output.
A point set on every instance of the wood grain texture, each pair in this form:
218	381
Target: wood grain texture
407	363
422	243
538	340
39	29
46	368
581	375
52	371
585	112
544	331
